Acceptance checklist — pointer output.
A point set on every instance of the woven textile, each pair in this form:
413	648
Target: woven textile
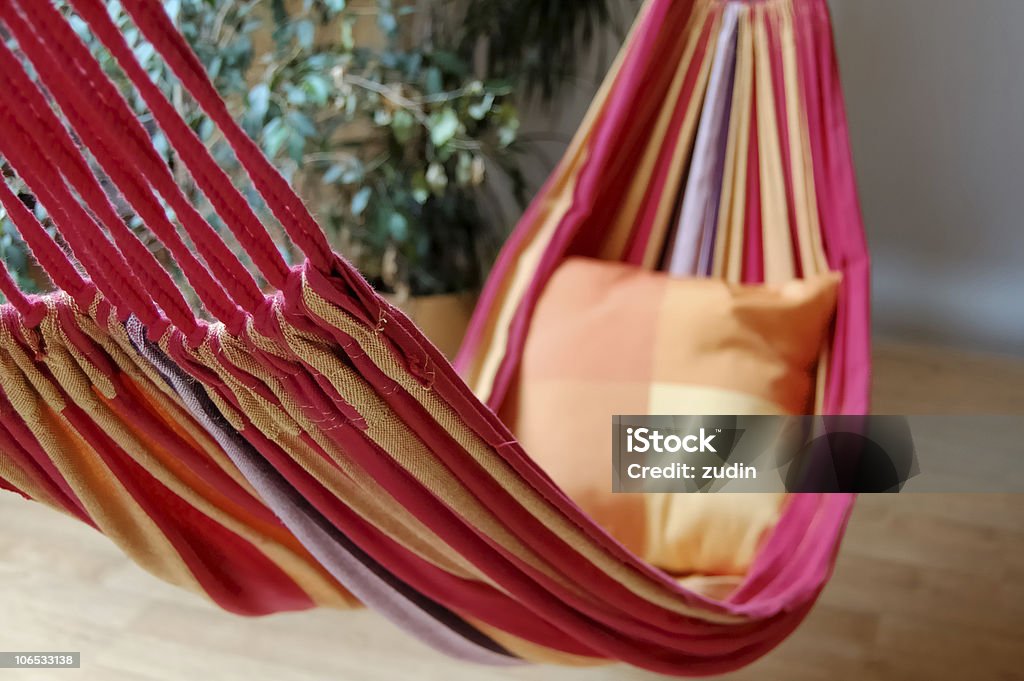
302	444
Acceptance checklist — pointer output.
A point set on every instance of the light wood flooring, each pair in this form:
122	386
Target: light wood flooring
927	587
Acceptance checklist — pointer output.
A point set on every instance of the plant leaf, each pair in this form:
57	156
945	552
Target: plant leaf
420	189
437	179
259	100
402	124
333	174
301	123
398	226
387	23
317	88
360	200
348	41
433	82
443	126
480	109
305	33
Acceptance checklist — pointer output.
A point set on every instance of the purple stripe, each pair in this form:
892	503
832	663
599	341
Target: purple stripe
421	617
692	244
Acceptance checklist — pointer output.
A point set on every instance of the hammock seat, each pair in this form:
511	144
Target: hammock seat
309	447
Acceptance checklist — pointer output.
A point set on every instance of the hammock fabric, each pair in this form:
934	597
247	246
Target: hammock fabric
310	447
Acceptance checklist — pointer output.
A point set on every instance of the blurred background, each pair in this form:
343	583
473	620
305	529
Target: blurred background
417	130
935	100
399	123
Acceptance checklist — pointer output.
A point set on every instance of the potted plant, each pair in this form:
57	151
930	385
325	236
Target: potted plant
389	118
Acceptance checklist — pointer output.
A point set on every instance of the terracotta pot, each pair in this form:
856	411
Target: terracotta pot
442	318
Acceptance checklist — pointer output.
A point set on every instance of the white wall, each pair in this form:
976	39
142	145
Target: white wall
935	96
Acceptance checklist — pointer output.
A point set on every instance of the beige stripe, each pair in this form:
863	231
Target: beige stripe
556	203
376	348
299	566
732	216
345	480
14	474
812	252
778	249
812	248
106	501
395	437
624	224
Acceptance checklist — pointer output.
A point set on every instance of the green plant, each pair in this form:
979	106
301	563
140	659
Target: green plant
374	112
388	144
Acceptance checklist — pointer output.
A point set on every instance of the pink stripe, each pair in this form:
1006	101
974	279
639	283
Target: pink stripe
753	245
614	114
620	117
46	137
153	21
99	132
215	184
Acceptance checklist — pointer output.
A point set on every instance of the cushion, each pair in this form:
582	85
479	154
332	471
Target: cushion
609	338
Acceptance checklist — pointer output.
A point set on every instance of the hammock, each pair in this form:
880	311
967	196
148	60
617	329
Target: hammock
310	447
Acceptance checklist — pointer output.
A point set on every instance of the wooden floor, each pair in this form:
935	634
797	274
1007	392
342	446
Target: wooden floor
926	587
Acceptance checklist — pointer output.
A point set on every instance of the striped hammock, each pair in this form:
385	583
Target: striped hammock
310	447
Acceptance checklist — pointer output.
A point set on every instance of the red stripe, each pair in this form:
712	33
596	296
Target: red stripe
113	135
154	23
657	189
215	184
753	246
237	576
34	463
32	122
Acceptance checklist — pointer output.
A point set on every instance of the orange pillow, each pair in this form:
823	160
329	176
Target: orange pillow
608	338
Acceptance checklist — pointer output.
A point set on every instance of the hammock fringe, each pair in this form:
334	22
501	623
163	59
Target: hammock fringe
309	447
